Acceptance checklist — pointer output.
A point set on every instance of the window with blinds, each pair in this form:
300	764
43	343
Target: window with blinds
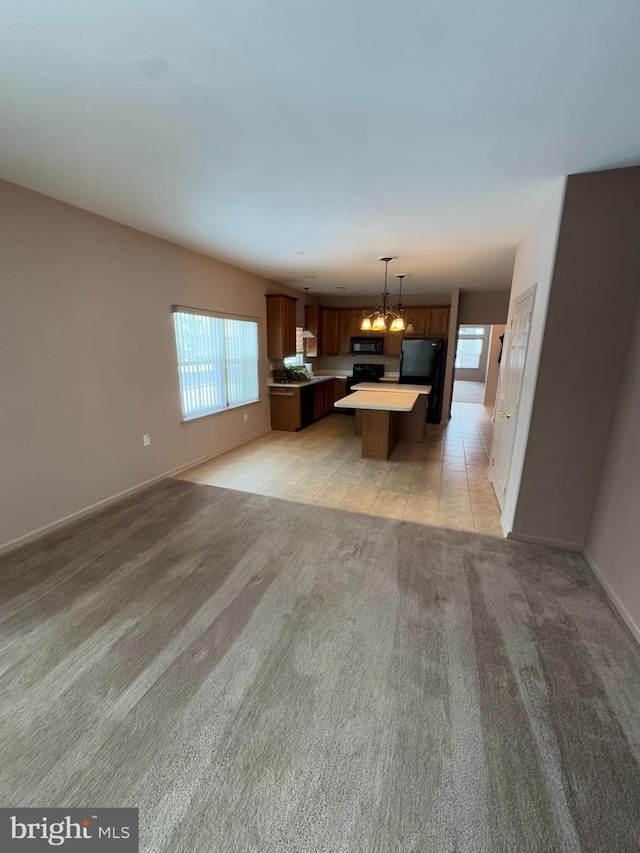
217	361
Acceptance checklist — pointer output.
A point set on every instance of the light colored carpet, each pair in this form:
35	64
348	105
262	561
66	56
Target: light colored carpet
468	392
259	675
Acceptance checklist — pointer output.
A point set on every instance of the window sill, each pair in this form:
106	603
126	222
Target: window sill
220	411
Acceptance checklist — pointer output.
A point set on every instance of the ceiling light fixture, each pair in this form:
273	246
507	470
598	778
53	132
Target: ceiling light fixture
305	332
377	320
398	324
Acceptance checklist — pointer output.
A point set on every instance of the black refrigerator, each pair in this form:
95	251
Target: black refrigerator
422	362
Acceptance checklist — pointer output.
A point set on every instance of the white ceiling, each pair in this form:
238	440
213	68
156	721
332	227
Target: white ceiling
254	130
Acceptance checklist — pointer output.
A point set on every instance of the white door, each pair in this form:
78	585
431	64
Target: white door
514	354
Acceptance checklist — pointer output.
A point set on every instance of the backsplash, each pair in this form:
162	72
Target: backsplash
275	364
341	365
344	364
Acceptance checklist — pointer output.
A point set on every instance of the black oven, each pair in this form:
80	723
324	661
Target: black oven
362	373
367	346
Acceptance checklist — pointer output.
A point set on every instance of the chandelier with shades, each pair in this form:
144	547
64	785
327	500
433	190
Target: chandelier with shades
377	320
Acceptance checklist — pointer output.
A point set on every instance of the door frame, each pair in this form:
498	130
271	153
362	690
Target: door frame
529	292
479	373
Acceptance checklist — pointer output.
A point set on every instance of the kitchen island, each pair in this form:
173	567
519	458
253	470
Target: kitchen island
385	414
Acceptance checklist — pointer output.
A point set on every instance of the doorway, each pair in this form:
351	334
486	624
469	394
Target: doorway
477	364
471	364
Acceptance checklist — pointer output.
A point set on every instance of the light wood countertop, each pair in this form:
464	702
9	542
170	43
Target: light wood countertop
391	388
381	401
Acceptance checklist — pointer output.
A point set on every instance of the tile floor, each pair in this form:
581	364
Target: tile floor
442	482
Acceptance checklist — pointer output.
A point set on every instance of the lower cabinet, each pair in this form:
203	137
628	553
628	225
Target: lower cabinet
339	390
323	402
295	407
285	409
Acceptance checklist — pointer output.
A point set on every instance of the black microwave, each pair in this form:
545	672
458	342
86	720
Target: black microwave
367	346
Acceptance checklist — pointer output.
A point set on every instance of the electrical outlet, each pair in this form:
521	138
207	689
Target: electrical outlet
146	439
246	416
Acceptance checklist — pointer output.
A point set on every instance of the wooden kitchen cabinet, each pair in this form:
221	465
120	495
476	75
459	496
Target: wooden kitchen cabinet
437	322
323	402
332	329
296	406
285	409
329	335
345	331
339	389
312	324
418	319
393	344
428	322
281	325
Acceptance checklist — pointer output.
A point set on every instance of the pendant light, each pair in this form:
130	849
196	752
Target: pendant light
377	320
398	324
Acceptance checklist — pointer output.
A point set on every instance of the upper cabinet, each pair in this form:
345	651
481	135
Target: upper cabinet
437	322
346	326
428	322
417	318
333	328
312	324
393	344
281	325
329	331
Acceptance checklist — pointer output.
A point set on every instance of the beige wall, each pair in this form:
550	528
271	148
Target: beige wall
447	388
88	358
534	265
588	326
613	540
483	307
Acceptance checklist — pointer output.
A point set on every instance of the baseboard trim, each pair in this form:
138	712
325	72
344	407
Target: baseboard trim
613	597
541	540
208	456
26	538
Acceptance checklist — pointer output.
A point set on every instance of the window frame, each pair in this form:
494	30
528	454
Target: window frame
224	367
472	337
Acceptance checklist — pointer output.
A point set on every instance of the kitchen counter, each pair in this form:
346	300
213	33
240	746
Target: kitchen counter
379	401
386	414
314	381
389	387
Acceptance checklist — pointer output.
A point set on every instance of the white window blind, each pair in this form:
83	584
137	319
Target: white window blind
217	361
